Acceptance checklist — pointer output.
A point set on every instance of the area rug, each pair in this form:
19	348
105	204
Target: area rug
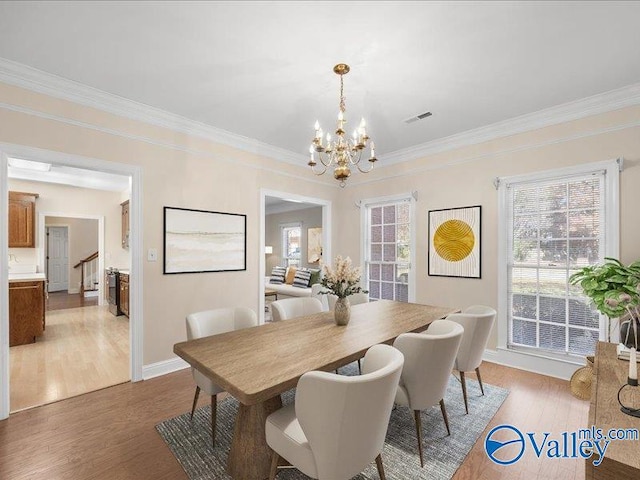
190	441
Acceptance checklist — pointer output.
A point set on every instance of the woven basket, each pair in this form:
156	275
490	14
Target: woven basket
581	382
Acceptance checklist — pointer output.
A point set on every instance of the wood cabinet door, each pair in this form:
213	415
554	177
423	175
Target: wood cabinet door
125	224
22	210
26	312
124	294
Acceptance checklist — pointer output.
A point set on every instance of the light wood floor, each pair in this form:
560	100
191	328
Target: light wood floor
82	350
110	434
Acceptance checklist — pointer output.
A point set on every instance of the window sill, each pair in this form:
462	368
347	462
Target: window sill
534	362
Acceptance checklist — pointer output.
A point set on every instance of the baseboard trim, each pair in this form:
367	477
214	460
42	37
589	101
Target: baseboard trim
532	363
162	368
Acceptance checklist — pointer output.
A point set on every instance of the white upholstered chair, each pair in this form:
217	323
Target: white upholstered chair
354	299
428	361
477	322
294	307
338	424
213	322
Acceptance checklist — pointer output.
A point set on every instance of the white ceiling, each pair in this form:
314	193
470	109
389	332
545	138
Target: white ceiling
274	205
263	70
77	177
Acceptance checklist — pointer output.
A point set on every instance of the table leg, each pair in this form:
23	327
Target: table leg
250	456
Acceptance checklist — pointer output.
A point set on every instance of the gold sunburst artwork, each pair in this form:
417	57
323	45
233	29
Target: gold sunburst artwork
454	246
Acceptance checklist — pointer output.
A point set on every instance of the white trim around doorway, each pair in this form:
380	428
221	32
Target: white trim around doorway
135	244
326	234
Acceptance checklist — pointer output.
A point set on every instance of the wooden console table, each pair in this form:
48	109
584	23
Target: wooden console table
622	458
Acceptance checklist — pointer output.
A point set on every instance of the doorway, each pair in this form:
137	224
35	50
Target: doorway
57	258
134	174
288	202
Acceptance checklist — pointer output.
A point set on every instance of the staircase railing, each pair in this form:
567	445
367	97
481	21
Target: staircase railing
89	273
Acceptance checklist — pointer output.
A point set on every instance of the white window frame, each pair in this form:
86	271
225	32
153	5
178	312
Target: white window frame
364	236
283	250
611	248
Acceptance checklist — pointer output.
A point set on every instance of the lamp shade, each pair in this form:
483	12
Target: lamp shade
268	249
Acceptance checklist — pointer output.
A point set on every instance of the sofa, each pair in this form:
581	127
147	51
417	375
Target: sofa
287	290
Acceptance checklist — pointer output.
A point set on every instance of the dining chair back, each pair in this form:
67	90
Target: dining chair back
354	299
338	424
477	322
429	359
214	322
294	307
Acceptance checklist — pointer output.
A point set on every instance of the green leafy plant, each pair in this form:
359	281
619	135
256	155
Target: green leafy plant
612	286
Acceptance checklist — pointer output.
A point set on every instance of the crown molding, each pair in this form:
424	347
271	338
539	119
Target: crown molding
30	78
585	107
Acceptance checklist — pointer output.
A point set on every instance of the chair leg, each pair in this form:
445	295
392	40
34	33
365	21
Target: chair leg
464	392
380	467
359	367
274	465
195	401
416	414
214	414
479	380
444	415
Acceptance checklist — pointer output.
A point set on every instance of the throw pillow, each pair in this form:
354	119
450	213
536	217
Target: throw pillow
301	279
291	273
277	275
315	276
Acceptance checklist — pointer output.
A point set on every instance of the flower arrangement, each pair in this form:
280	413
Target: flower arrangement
342	280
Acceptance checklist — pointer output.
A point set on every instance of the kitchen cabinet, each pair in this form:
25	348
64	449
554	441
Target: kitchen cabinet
26	312
124	294
125	224
22	219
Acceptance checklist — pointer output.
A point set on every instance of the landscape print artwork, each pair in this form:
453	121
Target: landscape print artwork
454	242
314	245
201	241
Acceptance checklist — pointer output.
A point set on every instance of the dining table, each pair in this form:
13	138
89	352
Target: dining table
255	365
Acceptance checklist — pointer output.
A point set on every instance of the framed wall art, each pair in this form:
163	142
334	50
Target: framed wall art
454	242
197	241
314	245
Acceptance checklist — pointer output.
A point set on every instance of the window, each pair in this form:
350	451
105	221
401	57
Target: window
388	248
555	226
291	243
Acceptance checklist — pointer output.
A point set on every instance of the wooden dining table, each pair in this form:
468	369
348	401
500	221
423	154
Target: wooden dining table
256	365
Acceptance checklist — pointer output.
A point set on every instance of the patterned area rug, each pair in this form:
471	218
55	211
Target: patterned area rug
190	441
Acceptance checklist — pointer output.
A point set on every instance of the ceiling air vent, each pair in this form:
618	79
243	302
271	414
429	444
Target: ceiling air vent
415	118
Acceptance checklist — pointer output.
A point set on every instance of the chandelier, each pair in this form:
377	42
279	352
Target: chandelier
341	153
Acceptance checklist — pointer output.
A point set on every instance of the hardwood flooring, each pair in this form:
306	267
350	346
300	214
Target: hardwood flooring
110	434
82	349
63	300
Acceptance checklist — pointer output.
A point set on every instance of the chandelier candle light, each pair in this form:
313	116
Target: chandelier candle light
341	153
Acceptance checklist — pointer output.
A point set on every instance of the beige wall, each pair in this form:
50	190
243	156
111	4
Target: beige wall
83	242
177	170
186	171
465	177
308	217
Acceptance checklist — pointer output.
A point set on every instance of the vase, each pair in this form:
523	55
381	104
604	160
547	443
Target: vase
342	311
627	336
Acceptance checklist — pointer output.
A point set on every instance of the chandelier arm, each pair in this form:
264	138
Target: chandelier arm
313	169
363	170
355	162
325	162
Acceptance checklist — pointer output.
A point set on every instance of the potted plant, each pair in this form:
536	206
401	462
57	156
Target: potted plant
614	290
342	280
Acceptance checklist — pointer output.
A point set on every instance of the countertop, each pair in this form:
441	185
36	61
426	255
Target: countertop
123	272
26	277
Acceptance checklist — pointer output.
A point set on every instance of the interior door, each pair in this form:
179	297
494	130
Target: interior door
58	258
